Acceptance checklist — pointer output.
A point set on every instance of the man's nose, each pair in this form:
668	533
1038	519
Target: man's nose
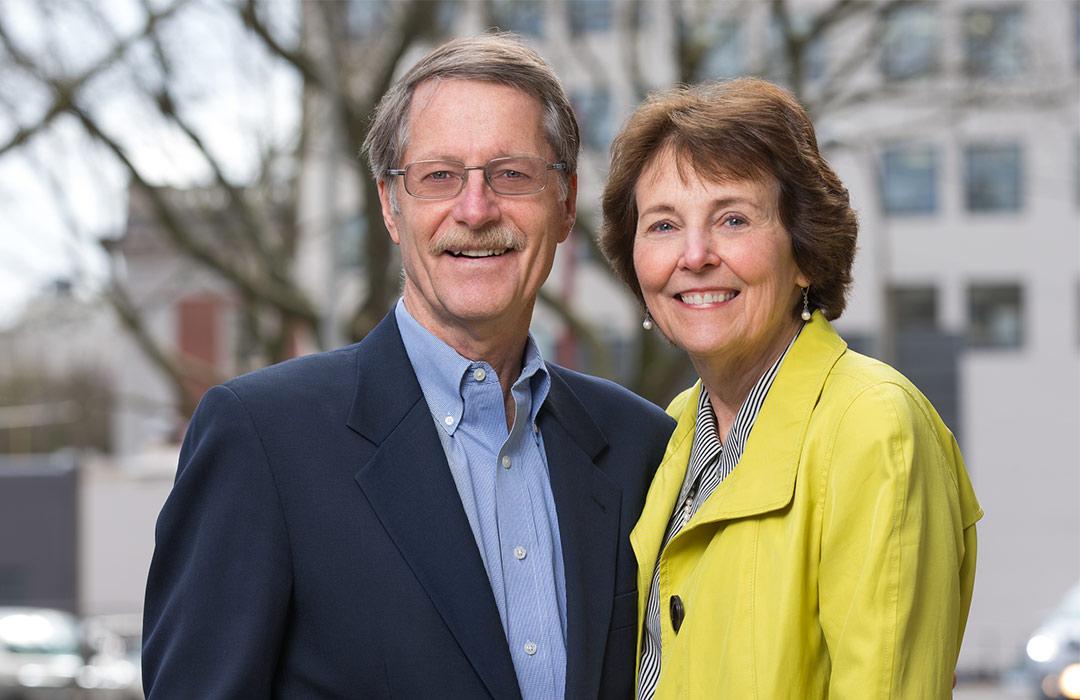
476	205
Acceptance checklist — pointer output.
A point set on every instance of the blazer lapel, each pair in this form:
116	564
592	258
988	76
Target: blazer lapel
408	483
588	505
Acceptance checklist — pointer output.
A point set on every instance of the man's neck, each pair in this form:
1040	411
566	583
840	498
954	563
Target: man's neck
498	342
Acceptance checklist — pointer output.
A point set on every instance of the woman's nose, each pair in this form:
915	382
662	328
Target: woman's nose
699	250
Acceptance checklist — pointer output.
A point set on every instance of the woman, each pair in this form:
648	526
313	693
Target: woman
810	532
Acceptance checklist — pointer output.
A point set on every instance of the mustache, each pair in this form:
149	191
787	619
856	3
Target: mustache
493	237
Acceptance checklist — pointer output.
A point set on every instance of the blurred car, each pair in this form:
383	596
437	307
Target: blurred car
1053	651
39	654
112	677
112	669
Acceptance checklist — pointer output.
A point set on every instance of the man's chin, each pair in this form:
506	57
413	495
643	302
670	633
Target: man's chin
481	310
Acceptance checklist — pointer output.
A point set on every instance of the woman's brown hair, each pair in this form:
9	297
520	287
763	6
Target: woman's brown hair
745	129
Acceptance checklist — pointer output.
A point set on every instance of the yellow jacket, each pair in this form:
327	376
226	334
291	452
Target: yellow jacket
837	559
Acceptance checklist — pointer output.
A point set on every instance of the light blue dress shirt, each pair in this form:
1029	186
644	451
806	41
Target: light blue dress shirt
502	479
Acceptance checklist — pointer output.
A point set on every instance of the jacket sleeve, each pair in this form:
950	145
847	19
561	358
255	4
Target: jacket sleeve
897	549
219	584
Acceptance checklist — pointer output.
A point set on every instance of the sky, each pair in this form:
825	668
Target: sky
61	192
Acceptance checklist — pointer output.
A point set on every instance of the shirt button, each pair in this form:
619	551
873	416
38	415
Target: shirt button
479	374
506	461
530	648
449	420
519	552
536	429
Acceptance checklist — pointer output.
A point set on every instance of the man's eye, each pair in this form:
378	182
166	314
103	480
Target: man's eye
509	174
439	175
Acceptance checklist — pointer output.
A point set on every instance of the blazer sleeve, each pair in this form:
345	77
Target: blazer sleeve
897	549
219	583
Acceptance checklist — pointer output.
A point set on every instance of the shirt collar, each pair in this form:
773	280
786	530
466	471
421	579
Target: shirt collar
440	371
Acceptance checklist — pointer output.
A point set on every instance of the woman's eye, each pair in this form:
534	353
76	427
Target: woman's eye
734	221
662	226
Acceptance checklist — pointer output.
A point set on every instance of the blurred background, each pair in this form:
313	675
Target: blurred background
181	201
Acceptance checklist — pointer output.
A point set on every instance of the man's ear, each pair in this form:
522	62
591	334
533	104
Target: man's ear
388	211
571	207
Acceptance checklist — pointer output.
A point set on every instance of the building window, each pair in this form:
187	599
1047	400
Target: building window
13	586
1076	169
994	177
446	15
199	326
995	316
722	44
589	16
814	56
994	42
1076	33
594	114
911	45
365	18
913	308
909	180
524	17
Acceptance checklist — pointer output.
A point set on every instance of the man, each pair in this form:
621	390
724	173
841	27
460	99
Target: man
433	512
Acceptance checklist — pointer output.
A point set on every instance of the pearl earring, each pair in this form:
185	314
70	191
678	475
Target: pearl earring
806	304
647	322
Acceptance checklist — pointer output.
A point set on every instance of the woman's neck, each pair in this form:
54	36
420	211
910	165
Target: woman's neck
730	376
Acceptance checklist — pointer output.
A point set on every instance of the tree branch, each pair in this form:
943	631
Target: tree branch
65	89
300	60
285	297
249	228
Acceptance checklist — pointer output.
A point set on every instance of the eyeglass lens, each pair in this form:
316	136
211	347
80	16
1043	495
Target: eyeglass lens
437	179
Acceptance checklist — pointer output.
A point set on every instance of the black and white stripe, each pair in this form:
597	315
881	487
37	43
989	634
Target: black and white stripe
710	463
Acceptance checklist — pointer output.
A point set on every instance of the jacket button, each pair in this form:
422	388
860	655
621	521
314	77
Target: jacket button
678	612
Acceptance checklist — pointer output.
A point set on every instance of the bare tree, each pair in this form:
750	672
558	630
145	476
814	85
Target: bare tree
249	235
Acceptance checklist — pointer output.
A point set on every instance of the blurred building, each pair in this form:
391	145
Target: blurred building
90	424
184	312
956	127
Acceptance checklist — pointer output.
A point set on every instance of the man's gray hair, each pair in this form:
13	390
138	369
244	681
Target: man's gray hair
497	58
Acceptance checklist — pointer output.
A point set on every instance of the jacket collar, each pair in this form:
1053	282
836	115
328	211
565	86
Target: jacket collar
764	479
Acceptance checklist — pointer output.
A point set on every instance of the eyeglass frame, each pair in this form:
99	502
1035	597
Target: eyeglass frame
559	165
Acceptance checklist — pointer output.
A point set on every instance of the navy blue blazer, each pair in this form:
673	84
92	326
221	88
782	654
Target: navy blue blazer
314	544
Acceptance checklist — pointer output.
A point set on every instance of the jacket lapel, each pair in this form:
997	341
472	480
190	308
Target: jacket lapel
764	479
588	505
408	483
648	534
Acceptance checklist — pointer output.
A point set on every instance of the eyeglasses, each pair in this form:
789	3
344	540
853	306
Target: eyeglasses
443	179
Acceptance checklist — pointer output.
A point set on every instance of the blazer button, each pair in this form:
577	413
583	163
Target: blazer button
678	612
